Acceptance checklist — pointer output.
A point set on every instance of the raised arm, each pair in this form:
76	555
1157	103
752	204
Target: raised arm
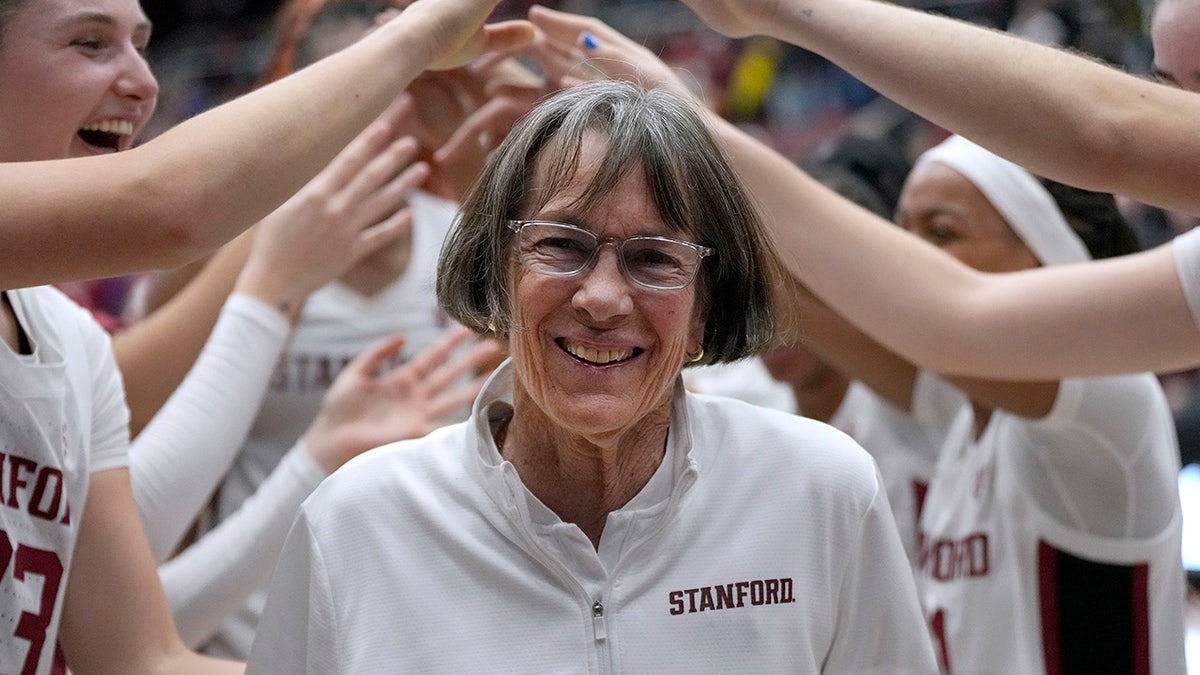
353	207
921	302
350	208
829	337
196	186
185	451
1058	114
156	352
1125	314
364	409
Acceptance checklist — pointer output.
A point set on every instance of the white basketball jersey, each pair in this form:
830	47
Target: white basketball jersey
904	444
1009	588
64	417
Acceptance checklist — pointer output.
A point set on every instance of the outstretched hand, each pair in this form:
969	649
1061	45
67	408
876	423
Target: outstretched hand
366	408
581	48
570	49
354	207
509	91
457	32
444	99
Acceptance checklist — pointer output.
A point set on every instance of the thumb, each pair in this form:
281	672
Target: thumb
502	36
507	36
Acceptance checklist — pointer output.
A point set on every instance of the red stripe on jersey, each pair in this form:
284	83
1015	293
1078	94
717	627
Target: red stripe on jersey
920	489
1048	594
1141	619
1095	615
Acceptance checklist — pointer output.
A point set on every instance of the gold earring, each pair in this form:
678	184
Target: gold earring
699	355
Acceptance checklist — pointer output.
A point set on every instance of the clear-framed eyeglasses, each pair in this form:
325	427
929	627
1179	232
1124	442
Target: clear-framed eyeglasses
562	250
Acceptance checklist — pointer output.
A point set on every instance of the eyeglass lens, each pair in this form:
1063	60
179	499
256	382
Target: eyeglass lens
650	261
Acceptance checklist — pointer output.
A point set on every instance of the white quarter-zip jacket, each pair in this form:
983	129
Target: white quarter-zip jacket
763	543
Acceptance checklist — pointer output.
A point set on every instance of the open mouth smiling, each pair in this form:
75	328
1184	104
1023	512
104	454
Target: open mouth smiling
598	357
106	134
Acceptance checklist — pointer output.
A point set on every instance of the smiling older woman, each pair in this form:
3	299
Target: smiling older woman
592	515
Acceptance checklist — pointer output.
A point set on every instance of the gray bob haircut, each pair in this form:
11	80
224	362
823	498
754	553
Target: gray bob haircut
693	188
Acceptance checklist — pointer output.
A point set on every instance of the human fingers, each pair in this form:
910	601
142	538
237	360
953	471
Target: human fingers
505	37
510	89
446	23
444	98
379	235
386	16
472	85
457	364
456	398
510	77
499	63
485	127
518	92
502	36
463	83
420	366
581	34
512	71
319	233
381	134
599	49
486	63
562	62
380	203
374	175
369	362
343	226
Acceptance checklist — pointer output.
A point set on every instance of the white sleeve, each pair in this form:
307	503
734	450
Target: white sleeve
298	632
880	628
213	577
1105	460
181	455
1186	248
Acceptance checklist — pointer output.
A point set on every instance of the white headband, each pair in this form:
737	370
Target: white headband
1025	204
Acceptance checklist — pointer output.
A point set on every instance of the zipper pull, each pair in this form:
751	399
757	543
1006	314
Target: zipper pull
598	621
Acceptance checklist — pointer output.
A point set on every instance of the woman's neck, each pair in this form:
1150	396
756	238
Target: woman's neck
583	479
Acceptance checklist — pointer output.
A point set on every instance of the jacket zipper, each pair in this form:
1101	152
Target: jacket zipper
598	626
